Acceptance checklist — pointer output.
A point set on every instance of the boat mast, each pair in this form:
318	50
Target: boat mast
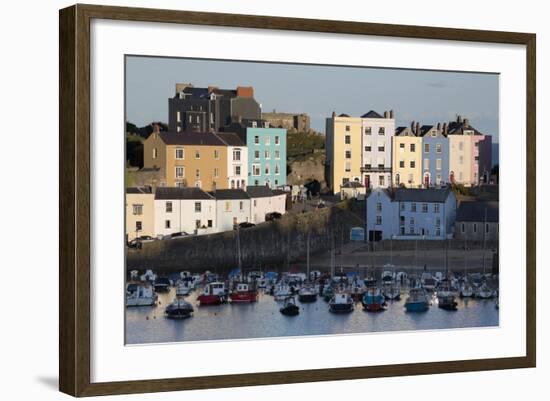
484	238
307	253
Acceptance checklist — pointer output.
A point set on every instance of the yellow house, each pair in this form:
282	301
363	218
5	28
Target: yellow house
188	159
343	150
140	210
407	158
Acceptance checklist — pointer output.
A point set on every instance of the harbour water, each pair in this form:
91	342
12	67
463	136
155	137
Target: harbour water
262	319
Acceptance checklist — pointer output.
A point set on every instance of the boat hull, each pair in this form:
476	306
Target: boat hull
243	297
290	310
341	308
417	306
205	300
306	298
141	301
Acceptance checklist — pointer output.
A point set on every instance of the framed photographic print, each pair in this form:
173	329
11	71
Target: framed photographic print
262	200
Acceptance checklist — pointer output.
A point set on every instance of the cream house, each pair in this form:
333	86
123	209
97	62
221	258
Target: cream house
140	211
263	200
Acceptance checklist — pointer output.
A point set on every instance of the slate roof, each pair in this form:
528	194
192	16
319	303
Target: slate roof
404	131
456	128
352	184
231	139
279	192
229	194
168	193
371	114
191	138
422	195
139	190
259	191
475	211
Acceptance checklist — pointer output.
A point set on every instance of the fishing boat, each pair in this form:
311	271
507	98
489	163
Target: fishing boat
341	302
148	276
244	292
391	292
282	291
417	300
213	294
140	294
446	300
428	281
179	309
183	288
307	294
290	308
162	284
484	292
373	300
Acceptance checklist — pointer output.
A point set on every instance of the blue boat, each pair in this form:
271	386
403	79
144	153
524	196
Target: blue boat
417	300
373	300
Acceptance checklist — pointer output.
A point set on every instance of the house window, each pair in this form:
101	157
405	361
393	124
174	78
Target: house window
155	153
180	171
256	170
198	154
438	222
411	230
402	163
411	221
424	208
348	167
438	164
167	224
436	207
438	148
401	147
277	169
277	142
191	117
463	228
348	139
378	206
380	148
378	220
368	148
437	232
413	164
402	207
413	147
180	153
348	128
368	130
381	131
216	154
426	148
168	207
256	154
475	228
461	160
236	154
461	146
216	172
254	124
241	206
427	164
139	226
197	223
255	202
381	181
198	207
267	155
439	178
348	154
267	169
486	228
277	154
256	140
138	209
227	206
237	170
178	116
209	224
267	140
413	207
276	182
256	182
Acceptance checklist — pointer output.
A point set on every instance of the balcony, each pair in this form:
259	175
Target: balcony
367	168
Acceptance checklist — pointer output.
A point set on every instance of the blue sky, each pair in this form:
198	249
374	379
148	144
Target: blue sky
425	96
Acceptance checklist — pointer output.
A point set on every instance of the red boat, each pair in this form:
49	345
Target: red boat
213	294
243	292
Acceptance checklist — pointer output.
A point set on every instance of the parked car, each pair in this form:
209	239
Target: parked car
180	234
136	242
273	216
244	224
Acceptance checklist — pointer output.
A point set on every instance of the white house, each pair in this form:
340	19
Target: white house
184	209
263	201
408	213
377	134
232	207
237	160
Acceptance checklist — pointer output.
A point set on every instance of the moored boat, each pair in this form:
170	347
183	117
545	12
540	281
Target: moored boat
417	300
446	300
281	291
213	294
341	302
148	276
373	300
391	292
307	294
179	309
484	292
183	288
162	284
290	308
466	290
140	294
244	292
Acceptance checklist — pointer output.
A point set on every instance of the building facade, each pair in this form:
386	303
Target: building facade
263	201
190	159
477	221
233	207
140	213
189	210
377	135
237	160
435	156
406	163
209	109
408	213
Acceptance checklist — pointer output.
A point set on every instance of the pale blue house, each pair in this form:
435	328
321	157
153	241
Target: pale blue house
435	156
408	213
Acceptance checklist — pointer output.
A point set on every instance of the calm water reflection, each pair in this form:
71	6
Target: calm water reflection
263	319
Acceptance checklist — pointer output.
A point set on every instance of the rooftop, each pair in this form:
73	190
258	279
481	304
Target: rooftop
191	138
181	193
231	139
139	190
422	195
259	191
371	114
229	194
477	211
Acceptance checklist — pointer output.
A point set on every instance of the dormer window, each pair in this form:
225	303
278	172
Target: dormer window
254	124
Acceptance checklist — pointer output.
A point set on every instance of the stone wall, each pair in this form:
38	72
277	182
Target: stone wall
306	169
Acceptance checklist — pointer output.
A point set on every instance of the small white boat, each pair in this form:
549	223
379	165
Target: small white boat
466	290
148	276
183	288
341	303
140	294
281	292
484	292
391	292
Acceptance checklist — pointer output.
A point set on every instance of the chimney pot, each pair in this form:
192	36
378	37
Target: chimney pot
392	114
386	114
459	118
417	128
466	122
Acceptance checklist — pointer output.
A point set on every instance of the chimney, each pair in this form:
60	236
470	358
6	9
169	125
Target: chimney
417	129
466	122
438	126
211	88
391	114
333	114
180	87
386	114
156	128
445	129
412	126
245	91
459	118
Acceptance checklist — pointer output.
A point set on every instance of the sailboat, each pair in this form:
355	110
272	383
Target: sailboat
445	297
307	293
466	289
